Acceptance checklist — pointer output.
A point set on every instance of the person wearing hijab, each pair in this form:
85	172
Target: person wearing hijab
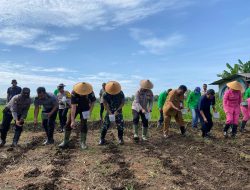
142	107
231	103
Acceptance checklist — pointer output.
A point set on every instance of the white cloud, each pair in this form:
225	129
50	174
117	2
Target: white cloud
26	22
32	76
155	45
33	38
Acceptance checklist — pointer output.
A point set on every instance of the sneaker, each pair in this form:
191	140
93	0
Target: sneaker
84	146
225	134
121	141
102	142
144	138
166	136
136	138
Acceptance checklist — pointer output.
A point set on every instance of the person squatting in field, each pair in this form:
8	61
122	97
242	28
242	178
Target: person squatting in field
245	108
17	109
231	104
172	108
161	101
82	103
205	103
142	107
101	101
193	102
113	100
63	98
49	112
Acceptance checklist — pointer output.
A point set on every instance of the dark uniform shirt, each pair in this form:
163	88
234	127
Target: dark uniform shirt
205	104
12	91
19	106
114	101
82	102
48	102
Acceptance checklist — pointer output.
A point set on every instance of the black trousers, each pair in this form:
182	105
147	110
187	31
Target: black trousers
136	118
206	127
63	117
161	119
101	110
6	122
49	125
84	126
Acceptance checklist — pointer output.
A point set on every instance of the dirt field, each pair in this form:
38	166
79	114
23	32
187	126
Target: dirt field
177	163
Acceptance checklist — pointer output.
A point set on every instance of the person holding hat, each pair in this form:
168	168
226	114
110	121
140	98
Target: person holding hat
141	106
205	103
49	112
192	102
16	109
101	101
63	98
82	103
172	108
13	90
161	101
113	100
231	103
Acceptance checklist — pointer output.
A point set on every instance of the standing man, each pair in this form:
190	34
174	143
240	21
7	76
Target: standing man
49	112
204	91
63	98
142	106
82	101
193	102
16	109
172	108
13	90
205	103
102	91
161	101
113	100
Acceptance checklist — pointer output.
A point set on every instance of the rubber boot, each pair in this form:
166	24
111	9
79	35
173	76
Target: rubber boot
3	139
227	126
144	133
136	137
83	141
65	142
183	130
234	131
243	125
120	137
102	139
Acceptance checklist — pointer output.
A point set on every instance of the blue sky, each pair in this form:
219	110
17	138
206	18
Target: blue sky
171	42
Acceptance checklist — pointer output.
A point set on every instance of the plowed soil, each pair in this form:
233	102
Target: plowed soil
176	163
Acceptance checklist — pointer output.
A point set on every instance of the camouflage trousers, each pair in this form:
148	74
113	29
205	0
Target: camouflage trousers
119	123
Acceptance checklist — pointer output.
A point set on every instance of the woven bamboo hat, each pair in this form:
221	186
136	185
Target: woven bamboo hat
146	84
83	88
113	87
235	85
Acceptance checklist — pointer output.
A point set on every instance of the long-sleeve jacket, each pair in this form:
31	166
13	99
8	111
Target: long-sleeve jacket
193	100
143	100
161	100
19	106
231	101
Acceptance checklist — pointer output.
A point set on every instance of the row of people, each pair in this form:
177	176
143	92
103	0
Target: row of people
82	101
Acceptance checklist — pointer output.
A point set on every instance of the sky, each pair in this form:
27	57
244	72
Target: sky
171	42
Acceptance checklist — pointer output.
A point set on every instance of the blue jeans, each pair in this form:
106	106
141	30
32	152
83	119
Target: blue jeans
195	117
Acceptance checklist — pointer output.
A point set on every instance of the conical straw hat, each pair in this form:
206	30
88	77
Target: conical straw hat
83	88
146	84
235	85
113	88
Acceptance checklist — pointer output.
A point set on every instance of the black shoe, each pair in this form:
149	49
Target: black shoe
121	141
102	142
14	144
46	142
2	143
